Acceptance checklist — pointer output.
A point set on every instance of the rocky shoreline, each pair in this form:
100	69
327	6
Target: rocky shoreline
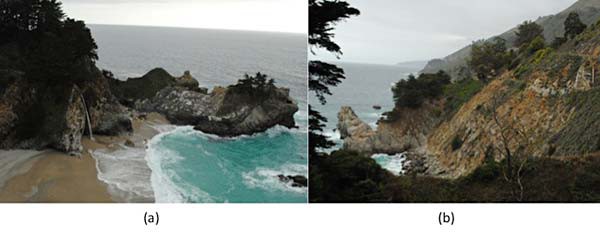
33	116
224	111
390	137
75	119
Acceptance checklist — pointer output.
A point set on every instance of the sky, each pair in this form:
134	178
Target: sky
253	15
393	31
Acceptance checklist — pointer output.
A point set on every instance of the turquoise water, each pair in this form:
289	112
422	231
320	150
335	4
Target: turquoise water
392	163
190	166
183	165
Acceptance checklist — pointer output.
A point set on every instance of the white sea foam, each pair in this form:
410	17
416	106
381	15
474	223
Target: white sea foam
126	173
162	127
373	125
268	178
168	187
374	115
271	132
166	184
301	115
333	135
392	163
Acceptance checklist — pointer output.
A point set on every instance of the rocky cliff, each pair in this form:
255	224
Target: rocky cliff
36	115
407	132
224	111
546	107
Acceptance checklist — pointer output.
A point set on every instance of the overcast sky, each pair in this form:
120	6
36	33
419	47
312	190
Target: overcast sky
255	15
392	31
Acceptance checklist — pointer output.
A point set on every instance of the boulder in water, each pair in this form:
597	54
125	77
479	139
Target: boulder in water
297	181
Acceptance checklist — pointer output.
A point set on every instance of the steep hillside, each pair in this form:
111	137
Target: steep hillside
456	63
547	107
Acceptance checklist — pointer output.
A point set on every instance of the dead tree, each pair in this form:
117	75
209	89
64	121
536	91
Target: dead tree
510	133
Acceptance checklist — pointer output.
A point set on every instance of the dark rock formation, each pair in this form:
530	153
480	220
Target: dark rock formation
297	181
248	116
141	88
36	116
224	112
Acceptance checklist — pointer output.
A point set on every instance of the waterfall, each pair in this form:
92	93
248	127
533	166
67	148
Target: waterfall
87	116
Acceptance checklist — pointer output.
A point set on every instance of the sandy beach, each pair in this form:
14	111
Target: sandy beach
51	176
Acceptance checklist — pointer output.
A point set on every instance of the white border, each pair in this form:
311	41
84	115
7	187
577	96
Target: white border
300	218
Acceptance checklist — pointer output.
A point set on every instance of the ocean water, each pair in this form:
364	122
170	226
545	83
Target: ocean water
365	86
184	165
392	163
197	167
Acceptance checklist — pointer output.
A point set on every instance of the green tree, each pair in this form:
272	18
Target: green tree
527	32
20	20
79	37
255	84
537	44
413	91
323	16
347	176
488	57
573	26
55	49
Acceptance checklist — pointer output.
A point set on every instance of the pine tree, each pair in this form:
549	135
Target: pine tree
323	16
527	32
573	26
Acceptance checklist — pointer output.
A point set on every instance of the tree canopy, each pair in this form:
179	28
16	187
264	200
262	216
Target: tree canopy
324	15
55	48
573	26
21	19
413	91
255	84
527	32
488	57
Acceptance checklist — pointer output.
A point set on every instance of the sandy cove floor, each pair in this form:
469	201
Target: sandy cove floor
52	176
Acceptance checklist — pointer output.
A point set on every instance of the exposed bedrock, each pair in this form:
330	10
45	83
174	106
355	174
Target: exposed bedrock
225	111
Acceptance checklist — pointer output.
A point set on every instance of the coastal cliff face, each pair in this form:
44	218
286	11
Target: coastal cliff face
546	107
224	111
407	132
36	116
237	114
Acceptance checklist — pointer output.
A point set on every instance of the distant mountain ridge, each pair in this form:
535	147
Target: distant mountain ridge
456	63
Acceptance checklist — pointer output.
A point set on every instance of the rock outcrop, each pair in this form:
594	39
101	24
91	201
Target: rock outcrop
408	132
357	135
240	115
224	112
297	181
37	116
